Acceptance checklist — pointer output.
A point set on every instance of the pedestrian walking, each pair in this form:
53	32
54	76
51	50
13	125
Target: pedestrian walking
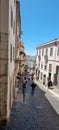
49	83
33	85
24	82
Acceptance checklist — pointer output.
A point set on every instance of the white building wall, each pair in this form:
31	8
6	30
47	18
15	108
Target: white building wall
6	66
57	45
3	58
11	35
11	63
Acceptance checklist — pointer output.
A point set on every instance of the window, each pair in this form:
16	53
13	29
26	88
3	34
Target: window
13	52
50	67
57	69
10	53
11	18
51	51
46	51
58	51
42	66
14	27
41	75
45	67
42	52
39	57
39	52
39	65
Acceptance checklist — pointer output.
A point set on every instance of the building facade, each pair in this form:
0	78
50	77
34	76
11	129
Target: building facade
47	62
30	61
17	40
9	37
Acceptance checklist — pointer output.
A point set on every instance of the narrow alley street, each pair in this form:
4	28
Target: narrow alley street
35	113
29	65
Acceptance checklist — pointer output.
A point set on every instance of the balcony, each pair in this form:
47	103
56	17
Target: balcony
22	53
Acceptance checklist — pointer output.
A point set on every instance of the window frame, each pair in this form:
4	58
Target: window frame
11	18
42	52
58	51
51	51
11	53
50	67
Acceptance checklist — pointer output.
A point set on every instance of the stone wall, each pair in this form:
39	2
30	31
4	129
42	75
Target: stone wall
3	74
3	58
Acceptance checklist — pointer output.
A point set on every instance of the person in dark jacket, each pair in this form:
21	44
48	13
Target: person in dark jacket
33	85
24	82
49	83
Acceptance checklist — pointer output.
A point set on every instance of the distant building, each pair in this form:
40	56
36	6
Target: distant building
30	61
47	61
17	43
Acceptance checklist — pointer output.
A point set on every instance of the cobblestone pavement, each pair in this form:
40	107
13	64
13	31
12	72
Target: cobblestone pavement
35	113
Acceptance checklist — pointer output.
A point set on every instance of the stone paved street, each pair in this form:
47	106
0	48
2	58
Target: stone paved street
35	113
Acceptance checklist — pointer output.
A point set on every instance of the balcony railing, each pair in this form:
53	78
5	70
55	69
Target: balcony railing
22	53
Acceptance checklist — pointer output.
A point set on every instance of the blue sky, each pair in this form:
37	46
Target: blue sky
39	23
